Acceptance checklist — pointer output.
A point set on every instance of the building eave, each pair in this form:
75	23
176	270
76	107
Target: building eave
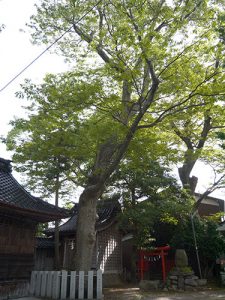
39	216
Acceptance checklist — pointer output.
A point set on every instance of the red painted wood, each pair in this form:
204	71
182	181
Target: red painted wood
143	265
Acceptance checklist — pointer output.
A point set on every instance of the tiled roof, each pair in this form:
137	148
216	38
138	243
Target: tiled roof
105	214
14	196
210	205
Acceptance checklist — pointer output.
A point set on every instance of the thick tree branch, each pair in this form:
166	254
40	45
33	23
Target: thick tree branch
170	111
217	127
184	138
197	5
122	147
88	38
205	131
172	108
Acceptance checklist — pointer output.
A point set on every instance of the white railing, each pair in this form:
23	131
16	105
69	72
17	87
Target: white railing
66	285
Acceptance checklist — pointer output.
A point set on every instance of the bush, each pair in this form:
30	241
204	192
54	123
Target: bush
210	242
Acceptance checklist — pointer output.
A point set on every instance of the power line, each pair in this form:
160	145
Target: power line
50	46
34	60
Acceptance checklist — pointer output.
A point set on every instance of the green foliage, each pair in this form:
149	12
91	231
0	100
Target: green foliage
178	42
138	178
139	63
221	137
62	131
210	241
178	37
153	221
40	229
137	41
153	204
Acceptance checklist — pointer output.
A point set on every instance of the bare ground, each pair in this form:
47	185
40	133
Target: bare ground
133	293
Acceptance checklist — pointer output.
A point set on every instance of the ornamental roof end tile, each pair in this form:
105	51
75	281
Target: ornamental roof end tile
14	197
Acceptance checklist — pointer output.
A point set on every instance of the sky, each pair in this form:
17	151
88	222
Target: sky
16	52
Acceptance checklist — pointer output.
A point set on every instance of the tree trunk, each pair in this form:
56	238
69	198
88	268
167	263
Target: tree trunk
189	183
192	153
85	233
107	160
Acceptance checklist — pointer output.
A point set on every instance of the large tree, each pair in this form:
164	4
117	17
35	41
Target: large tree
149	51
194	136
195	132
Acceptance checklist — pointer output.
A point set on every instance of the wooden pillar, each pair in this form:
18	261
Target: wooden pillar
142	265
65	254
163	265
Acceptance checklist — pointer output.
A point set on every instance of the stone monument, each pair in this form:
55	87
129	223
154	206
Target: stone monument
182	277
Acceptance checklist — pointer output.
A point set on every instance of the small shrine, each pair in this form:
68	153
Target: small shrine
146	260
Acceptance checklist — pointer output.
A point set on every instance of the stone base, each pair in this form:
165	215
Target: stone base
202	282
111	280
149	285
184	281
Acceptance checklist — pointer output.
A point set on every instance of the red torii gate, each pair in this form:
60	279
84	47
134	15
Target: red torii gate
143	263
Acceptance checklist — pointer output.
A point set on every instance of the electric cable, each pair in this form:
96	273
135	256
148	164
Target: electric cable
50	46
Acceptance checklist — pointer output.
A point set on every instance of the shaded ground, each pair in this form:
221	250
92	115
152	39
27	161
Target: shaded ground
133	293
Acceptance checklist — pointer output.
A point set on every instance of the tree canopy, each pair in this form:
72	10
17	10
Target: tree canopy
150	61
153	204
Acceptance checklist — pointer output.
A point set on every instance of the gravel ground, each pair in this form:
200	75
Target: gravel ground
135	294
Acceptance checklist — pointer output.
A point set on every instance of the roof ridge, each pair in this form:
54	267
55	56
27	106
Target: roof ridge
5	165
14	196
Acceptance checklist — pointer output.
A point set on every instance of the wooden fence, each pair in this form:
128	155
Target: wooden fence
66	285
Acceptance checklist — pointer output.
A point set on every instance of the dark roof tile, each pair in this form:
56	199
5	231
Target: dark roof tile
13	195
106	211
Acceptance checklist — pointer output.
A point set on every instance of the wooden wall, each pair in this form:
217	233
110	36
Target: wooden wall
107	254
109	250
17	240
68	251
44	259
